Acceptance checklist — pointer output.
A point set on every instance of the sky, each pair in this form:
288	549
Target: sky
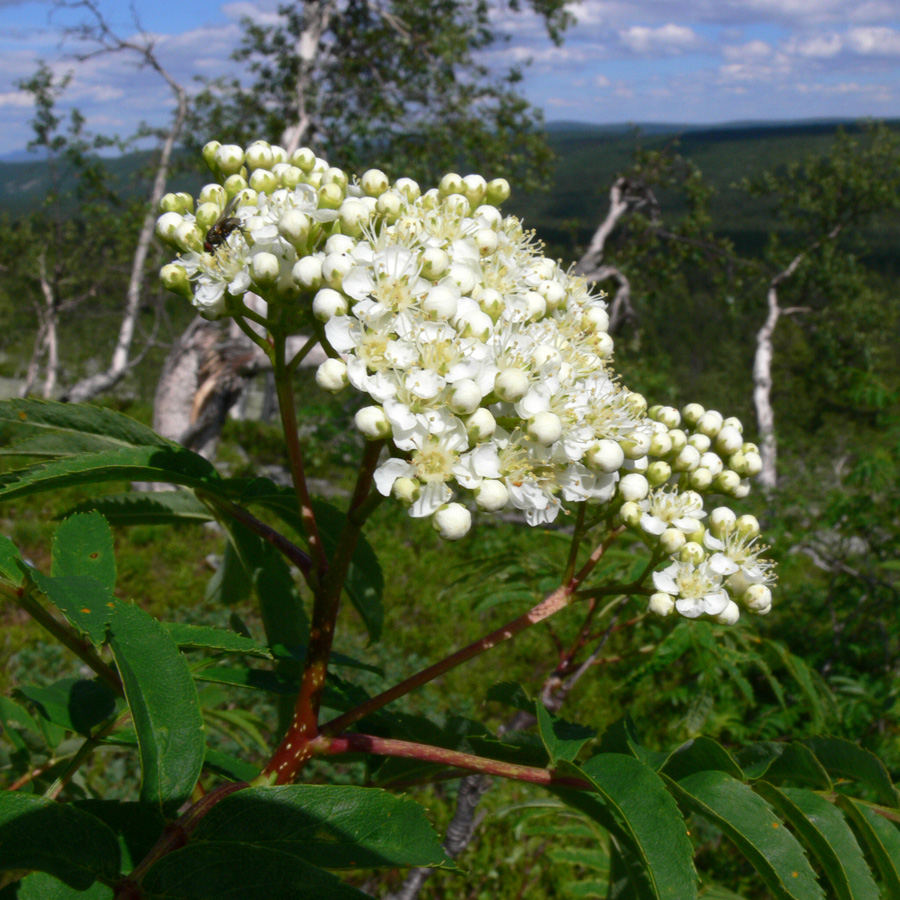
673	61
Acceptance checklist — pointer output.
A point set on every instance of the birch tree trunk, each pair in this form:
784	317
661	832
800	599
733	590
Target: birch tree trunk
121	360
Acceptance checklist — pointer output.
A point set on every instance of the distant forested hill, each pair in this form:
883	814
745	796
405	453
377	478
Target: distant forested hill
588	158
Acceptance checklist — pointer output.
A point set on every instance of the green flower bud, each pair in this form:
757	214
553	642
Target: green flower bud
671	541
333	175
389	205
692	552
658	473
304	159
372	423
691	413
452	521
545	428
474	189
307	273
171	203
481	425
497	191
229	159
408	188
265	269
630	514
263	181
329	303
174	278
406	490
259	156
661	604
374	182
451	183
511	384
332	375
331	196
294	227
209	154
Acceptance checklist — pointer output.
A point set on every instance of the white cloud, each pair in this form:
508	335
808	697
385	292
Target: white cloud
874	41
749	52
668	39
818	46
18	99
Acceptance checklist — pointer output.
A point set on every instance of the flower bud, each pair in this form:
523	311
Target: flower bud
332	375
636	444
330	196
537	305
757	597
728	440
463	276
465	397
691	413
692	552
545	428
711	461
598	317
307	273
554	294
372	423
491	302
721	519
334	267
474	188
491	495
452	521
389	205
511	384
304	159
727	482
259	156
700	442
234	184
486	240
497	191
288	176
679	440
710	423
208	214
171	203
481	425
435	263
605	456
265	269
441	302
686	460
263	181
408	188
229	159
334	175
406	490
741	490
669	416
294	227
700	479
634	487
167	225
661	604
174	278
660	444
451	183
658	473
188	236
671	541
729	615
209	153
748	526
374	182
752	464
630	514
328	303
489	215
354	215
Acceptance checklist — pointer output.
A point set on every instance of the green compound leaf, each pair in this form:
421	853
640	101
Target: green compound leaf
562	739
235	871
167	463
148	508
828	836
47	419
337	827
87	604
635	805
750	823
847	760
43	887
164	706
777	762
207	637
83	546
51	837
700	755
76	704
10	558
882	840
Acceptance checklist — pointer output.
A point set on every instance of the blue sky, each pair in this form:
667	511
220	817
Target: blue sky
685	61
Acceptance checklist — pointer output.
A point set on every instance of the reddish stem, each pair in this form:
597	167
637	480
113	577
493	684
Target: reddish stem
366	743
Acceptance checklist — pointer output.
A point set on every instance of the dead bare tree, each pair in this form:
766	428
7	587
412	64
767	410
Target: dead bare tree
99	33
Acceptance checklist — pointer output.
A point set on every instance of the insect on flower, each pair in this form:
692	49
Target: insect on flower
225	225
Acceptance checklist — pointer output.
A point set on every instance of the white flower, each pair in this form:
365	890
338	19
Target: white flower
698	588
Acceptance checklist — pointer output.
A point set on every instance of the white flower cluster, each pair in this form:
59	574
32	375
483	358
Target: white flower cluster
486	366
